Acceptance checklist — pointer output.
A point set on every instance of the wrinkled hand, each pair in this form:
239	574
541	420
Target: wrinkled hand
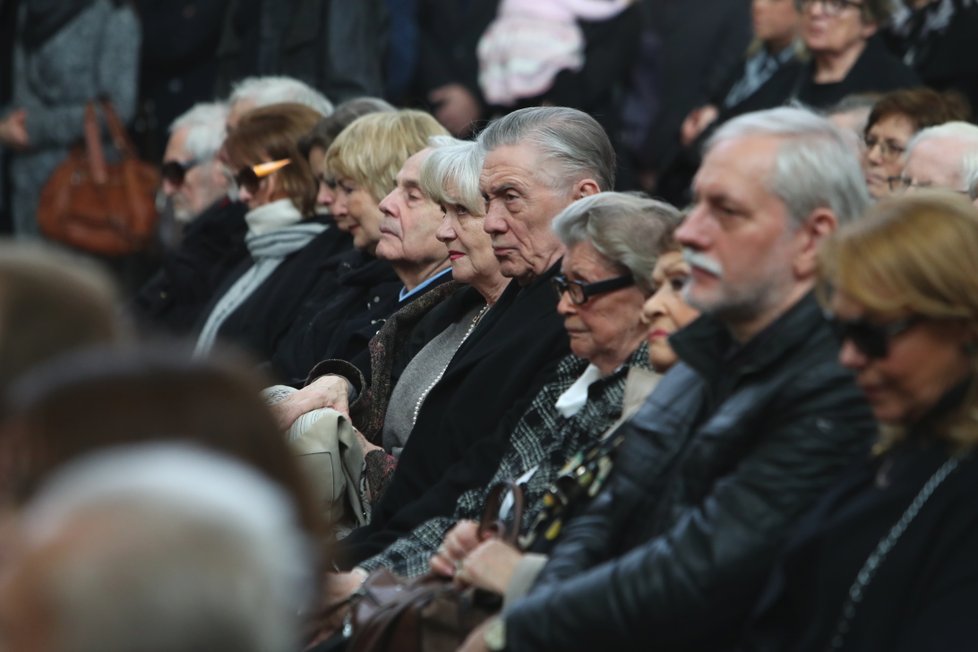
325	392
490	566
476	641
697	121
459	542
455	107
13	130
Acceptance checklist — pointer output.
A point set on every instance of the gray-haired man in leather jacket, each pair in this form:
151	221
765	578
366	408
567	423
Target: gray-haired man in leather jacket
740	437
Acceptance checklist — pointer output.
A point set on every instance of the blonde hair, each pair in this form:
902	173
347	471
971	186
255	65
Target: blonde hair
914	254
371	151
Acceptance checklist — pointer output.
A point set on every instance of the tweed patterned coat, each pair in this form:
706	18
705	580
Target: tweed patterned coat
543	438
96	54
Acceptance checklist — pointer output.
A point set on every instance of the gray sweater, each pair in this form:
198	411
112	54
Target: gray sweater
96	54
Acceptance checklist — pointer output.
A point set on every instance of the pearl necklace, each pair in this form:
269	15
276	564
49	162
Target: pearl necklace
431	385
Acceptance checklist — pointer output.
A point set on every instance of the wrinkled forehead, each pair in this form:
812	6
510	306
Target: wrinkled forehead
410	172
516	165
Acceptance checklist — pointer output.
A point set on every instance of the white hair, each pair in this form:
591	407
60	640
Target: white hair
453	164
265	91
170	549
204	123
964	136
817	164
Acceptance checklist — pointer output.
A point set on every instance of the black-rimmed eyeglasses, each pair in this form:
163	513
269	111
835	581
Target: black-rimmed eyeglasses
871	338
581	292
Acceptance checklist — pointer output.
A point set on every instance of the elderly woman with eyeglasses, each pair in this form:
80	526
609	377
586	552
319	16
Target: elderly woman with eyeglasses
285	239
886	560
893	121
613	243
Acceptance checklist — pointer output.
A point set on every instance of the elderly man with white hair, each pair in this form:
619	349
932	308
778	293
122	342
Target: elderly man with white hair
945	156
211	225
158	548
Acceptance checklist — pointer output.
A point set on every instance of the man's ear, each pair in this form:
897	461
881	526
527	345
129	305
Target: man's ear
819	225
585	188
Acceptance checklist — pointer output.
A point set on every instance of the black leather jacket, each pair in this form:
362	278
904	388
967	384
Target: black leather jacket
726	454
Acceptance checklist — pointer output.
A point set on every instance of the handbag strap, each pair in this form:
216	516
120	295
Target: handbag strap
872	563
120	137
93	146
490	521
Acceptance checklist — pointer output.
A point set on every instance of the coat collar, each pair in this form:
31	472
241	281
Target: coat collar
707	346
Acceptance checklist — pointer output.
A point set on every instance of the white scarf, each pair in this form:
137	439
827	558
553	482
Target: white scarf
275	230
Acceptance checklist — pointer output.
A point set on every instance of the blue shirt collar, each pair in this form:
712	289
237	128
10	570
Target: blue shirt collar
418	289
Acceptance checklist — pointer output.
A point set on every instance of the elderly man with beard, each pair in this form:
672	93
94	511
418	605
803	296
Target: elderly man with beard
212	227
740	436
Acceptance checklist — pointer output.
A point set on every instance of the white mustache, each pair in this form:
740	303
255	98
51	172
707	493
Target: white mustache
702	261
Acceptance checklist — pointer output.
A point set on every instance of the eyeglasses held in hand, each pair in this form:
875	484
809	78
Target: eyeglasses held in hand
581	292
175	172
830	7
870	338
250	178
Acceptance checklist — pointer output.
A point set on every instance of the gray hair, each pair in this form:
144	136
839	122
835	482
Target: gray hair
574	140
964	135
817	165
450	174
265	91
631	232
171	548
204	123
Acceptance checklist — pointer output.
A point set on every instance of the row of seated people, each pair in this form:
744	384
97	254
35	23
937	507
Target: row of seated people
749	429
426	487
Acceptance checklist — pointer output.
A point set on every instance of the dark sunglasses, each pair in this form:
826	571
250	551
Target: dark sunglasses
175	171
250	178
872	339
581	292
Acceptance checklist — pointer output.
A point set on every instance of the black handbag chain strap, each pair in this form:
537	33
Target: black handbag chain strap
883	548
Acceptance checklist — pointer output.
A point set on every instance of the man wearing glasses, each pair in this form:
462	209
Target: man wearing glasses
945	156
211	226
740	436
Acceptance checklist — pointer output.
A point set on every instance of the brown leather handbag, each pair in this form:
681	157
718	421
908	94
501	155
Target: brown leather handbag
430	613
100	207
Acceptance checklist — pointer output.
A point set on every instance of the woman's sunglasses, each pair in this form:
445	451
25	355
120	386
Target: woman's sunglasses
250	178
871	339
175	172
